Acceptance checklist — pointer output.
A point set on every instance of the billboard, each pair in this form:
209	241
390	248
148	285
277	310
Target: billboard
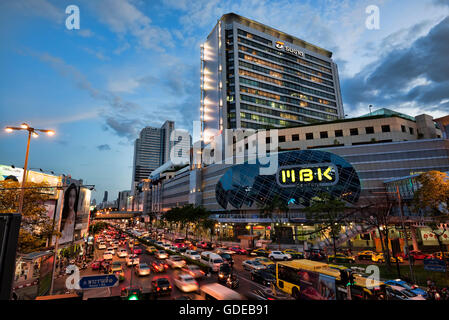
316	286
82	216
69	212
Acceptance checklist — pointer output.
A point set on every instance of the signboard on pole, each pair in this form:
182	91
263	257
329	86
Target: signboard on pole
102	281
433	264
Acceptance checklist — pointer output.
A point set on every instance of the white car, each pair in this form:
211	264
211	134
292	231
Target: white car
252	265
111	250
176	262
173	248
166	246
279	255
107	256
132	260
186	283
142	269
192	254
122	253
101	246
161	254
194	271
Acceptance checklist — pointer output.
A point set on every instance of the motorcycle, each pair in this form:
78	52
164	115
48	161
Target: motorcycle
232	282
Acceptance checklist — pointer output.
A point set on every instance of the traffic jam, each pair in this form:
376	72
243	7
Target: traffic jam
146	263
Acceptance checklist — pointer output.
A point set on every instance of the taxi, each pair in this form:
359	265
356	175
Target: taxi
260	252
380	257
265	261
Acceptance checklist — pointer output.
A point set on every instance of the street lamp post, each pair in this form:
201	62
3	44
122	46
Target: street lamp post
31	132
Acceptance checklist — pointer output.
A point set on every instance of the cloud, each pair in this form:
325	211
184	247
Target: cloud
40	8
417	75
124	18
104	147
86	33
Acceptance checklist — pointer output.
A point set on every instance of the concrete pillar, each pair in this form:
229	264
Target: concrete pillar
414	240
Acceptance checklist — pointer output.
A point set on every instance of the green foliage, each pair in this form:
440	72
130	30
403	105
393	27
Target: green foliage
36	227
97	227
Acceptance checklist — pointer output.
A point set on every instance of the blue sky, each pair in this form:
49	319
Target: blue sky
135	63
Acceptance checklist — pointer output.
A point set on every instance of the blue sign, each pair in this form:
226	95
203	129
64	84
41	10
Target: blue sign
103	281
434	265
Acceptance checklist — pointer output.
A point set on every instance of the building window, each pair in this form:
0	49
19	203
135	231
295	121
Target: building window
323	135
354	131
295	137
411	130
267	140
339	133
246	146
309	136
369	130
281	138
403	128
386	128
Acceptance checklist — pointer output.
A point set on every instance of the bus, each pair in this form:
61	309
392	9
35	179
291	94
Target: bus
312	280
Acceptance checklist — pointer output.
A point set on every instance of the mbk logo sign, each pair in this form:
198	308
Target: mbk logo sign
279	45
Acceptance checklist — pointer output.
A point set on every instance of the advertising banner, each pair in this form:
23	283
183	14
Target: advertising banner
82	216
316	286
430	239
69	212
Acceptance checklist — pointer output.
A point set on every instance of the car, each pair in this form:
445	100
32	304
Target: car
107	255
111	250
185	282
194	271
238	250
159	266
264	260
150	249
379	257
117	269
176	262
96	264
142	269
439	255
161	254
202	244
271	268
400	293
413	288
192	254
252	265
159	243
227	258
173	248
136	242
260	252
137	250
101	246
279	255
122	253
132	260
224	271
166	246
417	255
366	255
223	250
114	245
315	254
263	276
295	254
340	257
161	285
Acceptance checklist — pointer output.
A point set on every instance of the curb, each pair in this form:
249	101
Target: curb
26	285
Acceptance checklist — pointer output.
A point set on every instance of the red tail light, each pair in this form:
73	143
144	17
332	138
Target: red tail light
158	288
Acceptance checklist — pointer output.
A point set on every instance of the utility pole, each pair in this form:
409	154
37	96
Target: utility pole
57	242
405	234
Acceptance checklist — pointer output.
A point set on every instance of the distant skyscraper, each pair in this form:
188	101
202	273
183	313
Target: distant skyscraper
254	76
151	150
105	198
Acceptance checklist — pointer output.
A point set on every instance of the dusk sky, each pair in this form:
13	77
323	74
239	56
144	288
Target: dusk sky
135	63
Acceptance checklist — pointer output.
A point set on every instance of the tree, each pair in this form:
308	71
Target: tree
97	227
276	206
36	227
186	215
432	199
376	213
325	210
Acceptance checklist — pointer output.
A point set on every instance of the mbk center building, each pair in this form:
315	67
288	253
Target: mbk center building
255	77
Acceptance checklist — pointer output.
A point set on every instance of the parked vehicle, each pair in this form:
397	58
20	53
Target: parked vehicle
279	255
238	250
340	257
260	252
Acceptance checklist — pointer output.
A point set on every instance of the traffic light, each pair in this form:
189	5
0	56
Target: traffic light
351	279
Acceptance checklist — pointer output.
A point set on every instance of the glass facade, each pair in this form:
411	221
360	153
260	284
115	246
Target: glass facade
243	185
